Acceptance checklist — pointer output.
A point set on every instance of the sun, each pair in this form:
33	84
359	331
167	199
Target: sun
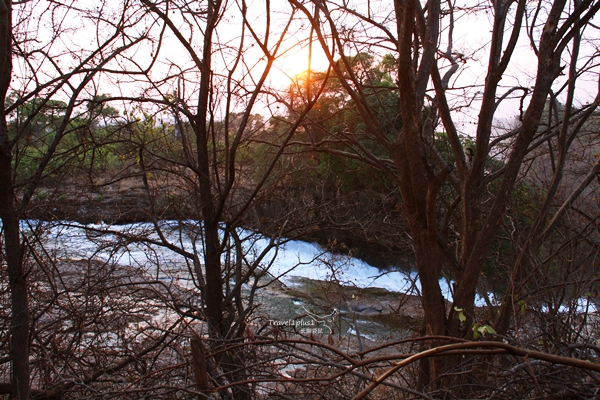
295	62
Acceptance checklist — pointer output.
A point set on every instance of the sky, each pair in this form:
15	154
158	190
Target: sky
83	34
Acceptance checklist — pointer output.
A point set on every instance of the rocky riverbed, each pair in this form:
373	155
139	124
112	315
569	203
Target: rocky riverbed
374	314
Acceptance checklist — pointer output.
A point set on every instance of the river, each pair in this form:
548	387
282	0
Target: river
292	259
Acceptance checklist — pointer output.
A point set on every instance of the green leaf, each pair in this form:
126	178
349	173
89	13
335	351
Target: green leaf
461	315
482	330
491	330
523	305
476	332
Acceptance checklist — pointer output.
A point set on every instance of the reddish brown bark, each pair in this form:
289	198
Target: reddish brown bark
20	319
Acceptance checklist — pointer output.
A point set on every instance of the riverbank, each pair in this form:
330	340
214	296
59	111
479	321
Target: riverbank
128	201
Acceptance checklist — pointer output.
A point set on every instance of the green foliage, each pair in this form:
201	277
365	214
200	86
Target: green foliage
32	127
98	108
87	140
335	118
479	330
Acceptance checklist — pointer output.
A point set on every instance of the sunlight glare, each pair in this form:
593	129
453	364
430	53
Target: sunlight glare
294	63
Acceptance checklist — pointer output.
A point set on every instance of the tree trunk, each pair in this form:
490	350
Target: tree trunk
20	320
212	255
19	345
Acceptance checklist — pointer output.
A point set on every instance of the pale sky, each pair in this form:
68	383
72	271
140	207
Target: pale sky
471	38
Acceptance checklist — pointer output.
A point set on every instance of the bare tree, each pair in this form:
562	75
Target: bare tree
189	121
421	38
193	125
45	73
